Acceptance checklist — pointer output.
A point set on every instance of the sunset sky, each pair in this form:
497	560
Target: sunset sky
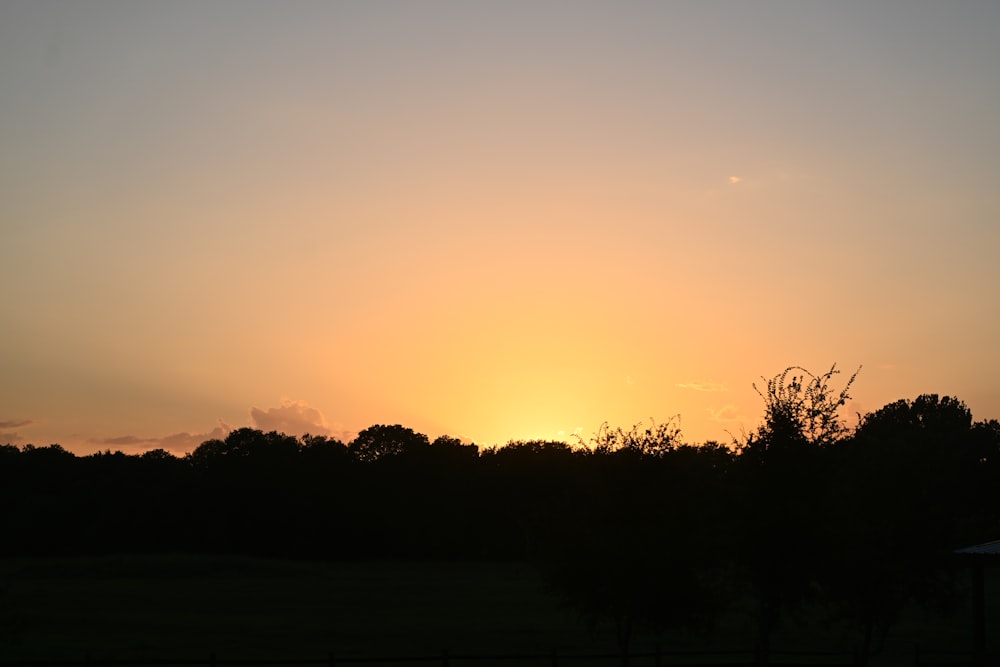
493	220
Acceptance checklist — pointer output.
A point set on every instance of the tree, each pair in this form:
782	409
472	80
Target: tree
631	563
655	440
803	407
446	449
634	545
902	487
380	441
320	452
781	490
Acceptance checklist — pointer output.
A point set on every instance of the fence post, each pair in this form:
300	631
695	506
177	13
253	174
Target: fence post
331	660
555	658
211	659
444	657
658	654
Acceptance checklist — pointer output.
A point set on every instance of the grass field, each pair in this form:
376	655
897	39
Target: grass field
182	606
158	606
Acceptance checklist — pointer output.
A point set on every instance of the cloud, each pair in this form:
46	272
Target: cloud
186	442
729	414
735	180
726	413
854	412
16	423
122	440
12	437
178	443
703	386
291	418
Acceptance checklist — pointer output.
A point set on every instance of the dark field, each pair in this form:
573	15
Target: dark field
191	607
181	606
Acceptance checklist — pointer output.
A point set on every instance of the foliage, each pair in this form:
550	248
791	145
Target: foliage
654	440
903	490
634	548
380	441
781	486
800	405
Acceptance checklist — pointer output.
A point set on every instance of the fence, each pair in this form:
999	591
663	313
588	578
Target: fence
655	658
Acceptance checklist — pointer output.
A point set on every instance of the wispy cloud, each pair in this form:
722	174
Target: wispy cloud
703	386
185	442
16	423
726	414
854	412
12	438
735	180
292	417
178	443
122	441
9	436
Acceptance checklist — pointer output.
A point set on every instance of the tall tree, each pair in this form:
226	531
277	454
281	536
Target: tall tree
903	487
781	490
633	544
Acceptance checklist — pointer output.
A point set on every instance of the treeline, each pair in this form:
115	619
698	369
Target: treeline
634	526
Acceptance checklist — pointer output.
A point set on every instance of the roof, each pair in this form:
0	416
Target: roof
986	549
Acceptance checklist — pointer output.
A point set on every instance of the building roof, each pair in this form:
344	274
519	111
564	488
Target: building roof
986	549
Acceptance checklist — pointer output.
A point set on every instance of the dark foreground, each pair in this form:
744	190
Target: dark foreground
192	607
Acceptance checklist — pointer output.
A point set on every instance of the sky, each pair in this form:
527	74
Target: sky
491	220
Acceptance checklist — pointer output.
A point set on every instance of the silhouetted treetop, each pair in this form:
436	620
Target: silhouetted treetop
246	444
448	449
380	442
800	406
544	452
927	413
323	451
654	440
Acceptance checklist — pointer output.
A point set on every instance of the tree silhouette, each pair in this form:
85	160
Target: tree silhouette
781	491
380	441
803	407
654	440
636	544
901	487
